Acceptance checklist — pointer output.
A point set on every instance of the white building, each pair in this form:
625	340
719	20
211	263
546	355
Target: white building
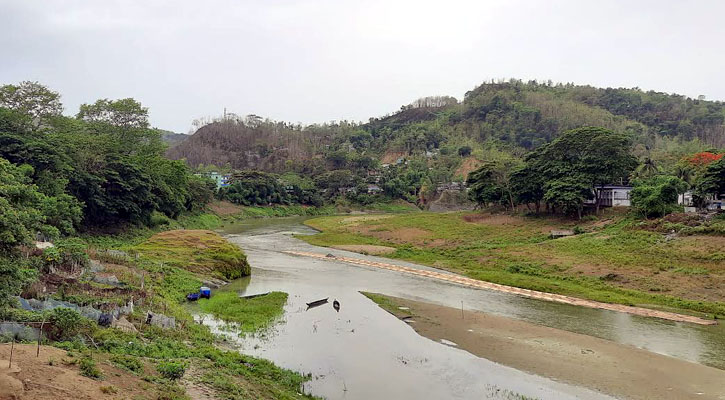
612	196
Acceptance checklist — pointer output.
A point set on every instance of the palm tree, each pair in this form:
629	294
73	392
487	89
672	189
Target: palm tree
684	172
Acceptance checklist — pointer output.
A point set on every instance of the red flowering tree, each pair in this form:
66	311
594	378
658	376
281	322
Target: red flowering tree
703	159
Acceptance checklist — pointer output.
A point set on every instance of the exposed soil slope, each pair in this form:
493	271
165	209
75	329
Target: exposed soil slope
33	378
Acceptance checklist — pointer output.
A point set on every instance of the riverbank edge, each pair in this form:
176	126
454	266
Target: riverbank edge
603	293
187	346
581	360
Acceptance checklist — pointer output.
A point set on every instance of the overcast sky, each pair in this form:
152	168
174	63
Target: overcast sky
316	61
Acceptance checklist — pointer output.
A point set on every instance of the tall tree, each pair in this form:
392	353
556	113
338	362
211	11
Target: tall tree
594	155
32	99
124	113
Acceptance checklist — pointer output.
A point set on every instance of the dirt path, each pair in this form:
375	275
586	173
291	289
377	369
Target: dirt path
608	367
33	378
461	280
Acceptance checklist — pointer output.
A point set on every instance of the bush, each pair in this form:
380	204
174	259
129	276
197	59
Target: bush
109	390
158	219
89	369
171	370
128	363
65	323
657	197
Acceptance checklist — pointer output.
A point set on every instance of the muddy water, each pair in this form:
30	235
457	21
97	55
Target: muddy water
363	352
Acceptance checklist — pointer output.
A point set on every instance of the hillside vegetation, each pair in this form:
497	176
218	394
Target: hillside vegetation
414	152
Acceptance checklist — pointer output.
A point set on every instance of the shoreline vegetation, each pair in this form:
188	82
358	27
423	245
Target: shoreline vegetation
157	267
611	260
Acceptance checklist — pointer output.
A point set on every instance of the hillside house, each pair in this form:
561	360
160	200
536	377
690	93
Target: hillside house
612	196
221	180
459	186
374	189
712	202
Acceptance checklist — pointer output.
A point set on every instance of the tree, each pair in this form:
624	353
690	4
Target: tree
24	211
568	193
32	99
255	188
527	186
647	169
14	275
124	113
590	154
657	196
464	151
491	183
711	182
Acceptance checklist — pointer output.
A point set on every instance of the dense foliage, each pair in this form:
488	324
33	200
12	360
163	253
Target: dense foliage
107	162
563	173
657	196
437	140
58	175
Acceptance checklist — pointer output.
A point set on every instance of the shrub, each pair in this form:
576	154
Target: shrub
171	370
65	323
657	197
109	390
89	369
158	219
128	363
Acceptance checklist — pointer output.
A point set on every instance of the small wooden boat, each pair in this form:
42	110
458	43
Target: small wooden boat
317	303
336	305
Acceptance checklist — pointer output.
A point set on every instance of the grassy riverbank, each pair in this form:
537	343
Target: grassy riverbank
612	260
172	363
251	315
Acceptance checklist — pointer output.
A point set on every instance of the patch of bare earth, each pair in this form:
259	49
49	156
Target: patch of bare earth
352	221
399	235
194	388
33	378
366	249
223	208
391	157
468	165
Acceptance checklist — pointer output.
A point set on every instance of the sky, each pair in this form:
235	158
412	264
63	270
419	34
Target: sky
318	61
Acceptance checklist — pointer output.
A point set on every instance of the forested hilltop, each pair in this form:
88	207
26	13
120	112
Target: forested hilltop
438	140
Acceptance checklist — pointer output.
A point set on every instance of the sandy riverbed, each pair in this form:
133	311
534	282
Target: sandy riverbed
602	365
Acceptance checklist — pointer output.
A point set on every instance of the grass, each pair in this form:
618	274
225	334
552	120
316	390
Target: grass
387	304
612	262
252	314
199	251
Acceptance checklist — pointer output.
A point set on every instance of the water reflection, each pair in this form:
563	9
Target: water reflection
363	352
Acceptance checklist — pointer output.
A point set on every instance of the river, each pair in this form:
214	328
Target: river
363	352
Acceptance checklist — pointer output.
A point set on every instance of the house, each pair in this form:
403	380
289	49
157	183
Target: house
459	186
712	202
612	196
220	179
374	189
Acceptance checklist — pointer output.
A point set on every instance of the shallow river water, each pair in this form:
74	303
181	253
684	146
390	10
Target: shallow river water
363	352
